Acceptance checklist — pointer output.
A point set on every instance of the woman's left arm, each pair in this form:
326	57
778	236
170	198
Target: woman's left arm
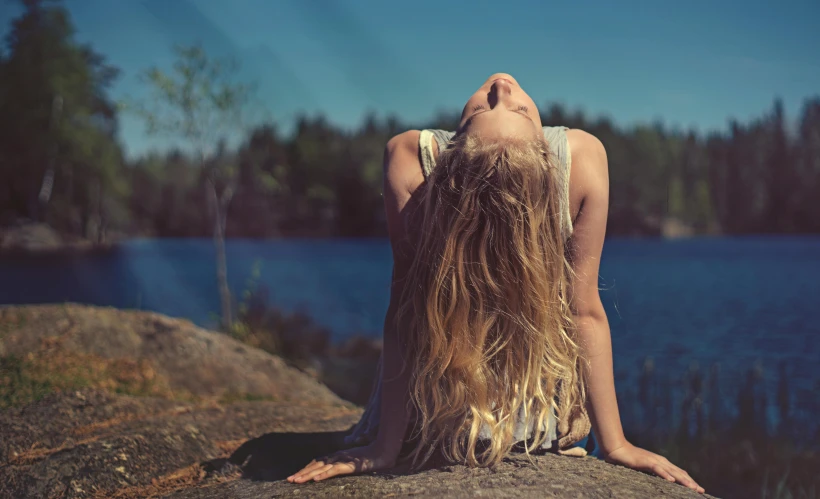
590	175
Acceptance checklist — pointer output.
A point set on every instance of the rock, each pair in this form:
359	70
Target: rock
189	359
548	476
673	228
94	443
31	237
26	237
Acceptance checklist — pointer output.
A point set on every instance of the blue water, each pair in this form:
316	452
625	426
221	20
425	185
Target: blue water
736	301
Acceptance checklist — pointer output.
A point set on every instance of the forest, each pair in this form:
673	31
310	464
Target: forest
62	162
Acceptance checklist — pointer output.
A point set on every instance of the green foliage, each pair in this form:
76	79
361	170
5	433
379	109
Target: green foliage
234	397
59	130
324	181
291	335
733	450
30	378
241	329
196	100
17	387
59	158
251	286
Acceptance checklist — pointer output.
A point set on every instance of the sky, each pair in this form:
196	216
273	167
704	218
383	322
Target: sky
693	64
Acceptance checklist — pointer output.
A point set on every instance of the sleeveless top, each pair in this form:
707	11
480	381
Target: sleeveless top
556	137
560	436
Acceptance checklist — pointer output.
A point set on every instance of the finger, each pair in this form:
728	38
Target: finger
307	469
688	480
307	476
661	471
697	485
337	469
316	463
682	477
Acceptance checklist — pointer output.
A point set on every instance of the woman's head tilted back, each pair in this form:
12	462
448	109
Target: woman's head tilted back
485	310
500	108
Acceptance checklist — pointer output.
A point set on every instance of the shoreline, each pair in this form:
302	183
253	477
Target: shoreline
40	239
28	238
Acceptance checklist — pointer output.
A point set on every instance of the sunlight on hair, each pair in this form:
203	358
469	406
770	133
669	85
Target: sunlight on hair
485	312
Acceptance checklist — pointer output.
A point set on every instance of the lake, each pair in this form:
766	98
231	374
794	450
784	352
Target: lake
736	301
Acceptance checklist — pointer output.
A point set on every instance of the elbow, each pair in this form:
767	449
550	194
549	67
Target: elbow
590	320
592	331
589	309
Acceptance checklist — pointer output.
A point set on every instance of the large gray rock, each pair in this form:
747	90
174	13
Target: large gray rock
189	359
93	443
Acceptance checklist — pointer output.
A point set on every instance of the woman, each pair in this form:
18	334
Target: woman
495	336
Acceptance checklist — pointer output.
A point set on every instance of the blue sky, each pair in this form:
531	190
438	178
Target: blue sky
689	64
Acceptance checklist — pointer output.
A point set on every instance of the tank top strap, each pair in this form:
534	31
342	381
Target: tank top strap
442	139
556	137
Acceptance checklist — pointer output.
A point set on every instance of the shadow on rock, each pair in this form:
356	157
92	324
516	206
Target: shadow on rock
275	456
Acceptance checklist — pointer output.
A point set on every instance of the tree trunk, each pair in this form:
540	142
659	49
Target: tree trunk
218	210
47	184
102	219
46	187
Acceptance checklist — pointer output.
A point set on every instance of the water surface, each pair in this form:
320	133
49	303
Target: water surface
735	301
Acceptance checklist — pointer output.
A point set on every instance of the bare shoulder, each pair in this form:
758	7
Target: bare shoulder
402	176
589	169
402	168
588	150
406	141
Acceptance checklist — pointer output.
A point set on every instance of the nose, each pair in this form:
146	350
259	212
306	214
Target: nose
499	90
506	76
502	86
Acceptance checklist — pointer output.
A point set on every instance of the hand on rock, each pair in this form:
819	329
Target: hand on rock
346	462
643	460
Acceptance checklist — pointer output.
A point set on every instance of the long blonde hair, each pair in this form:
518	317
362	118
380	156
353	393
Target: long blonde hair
484	313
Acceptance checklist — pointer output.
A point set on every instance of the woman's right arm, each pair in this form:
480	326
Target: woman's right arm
402	175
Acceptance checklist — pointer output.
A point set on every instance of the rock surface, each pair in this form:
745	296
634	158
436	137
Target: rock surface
191	360
93	443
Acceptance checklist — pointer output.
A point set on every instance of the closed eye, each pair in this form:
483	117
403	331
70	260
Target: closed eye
479	107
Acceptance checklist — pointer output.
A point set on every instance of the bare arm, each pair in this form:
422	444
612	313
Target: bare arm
590	171
402	175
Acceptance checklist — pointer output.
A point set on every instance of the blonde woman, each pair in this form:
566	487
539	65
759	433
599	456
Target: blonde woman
495	336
